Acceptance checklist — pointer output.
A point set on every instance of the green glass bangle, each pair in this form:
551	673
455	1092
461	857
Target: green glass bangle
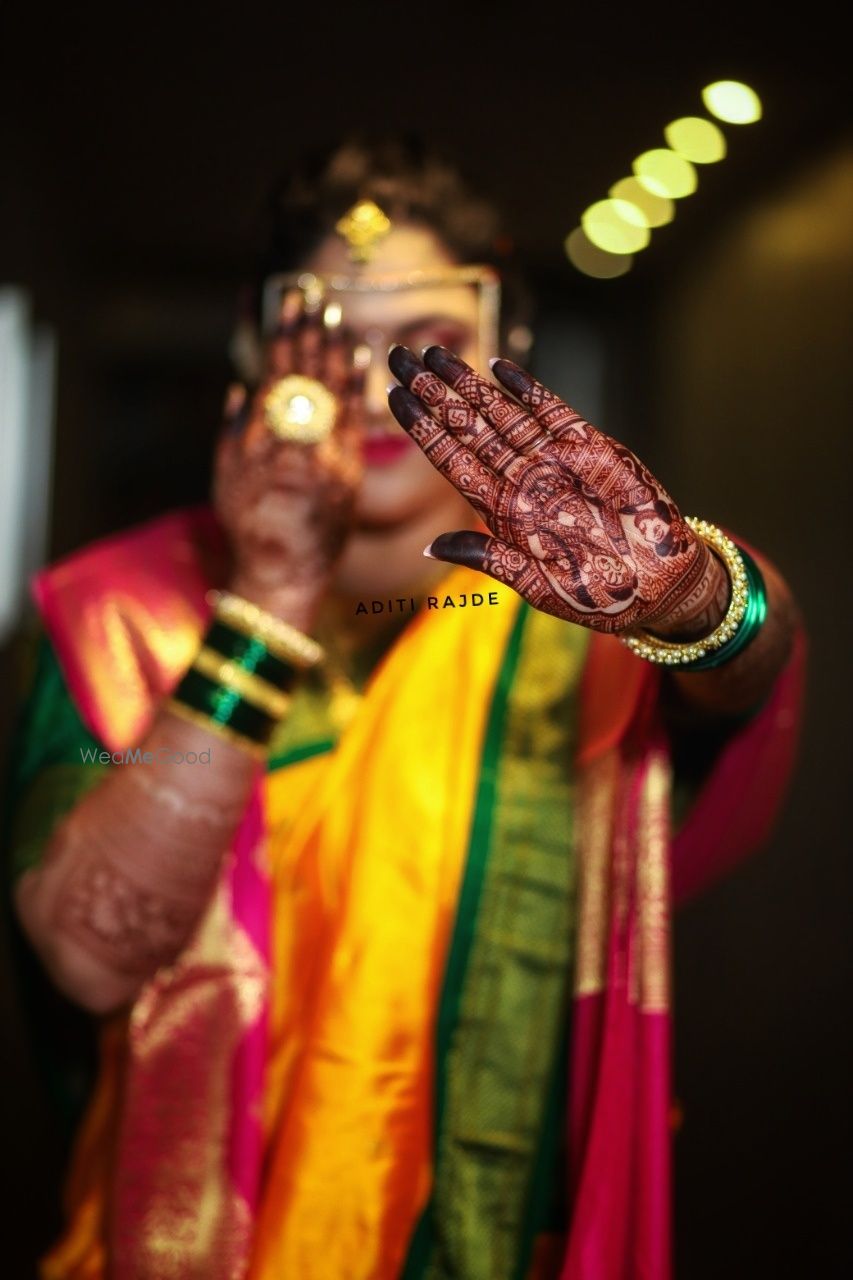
250	653
751	622
224	707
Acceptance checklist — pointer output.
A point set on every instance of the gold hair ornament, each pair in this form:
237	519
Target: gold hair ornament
363	226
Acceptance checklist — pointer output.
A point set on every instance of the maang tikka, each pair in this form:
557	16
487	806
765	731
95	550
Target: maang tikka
363	226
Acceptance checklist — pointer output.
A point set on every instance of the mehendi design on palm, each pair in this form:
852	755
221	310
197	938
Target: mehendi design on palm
287	507
579	525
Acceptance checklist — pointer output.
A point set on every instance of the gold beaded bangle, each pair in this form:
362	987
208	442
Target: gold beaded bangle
280	638
259	692
671	653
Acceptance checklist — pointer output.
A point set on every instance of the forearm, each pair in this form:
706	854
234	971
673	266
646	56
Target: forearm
738	686
129	871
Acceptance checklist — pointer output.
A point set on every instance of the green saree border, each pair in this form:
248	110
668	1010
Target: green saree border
295	755
499	1144
469	899
481	828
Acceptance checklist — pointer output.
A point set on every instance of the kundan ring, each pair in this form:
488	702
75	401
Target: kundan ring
300	409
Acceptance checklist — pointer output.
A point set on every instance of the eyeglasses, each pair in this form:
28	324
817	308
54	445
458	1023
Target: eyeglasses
322	289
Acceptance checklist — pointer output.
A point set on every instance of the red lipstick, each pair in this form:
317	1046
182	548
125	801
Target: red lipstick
382	450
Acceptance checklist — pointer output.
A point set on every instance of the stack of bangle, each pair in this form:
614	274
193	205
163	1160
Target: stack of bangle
743	619
240	681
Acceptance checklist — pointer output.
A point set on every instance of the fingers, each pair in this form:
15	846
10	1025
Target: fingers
518	428
234	414
311	339
450	411
498	559
598	464
235	411
352	391
281	352
337	345
458	464
559	420
236	401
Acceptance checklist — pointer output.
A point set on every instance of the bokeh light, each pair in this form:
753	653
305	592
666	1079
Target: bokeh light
616	226
613	229
592	261
696	139
657	211
732	101
665	174
333	314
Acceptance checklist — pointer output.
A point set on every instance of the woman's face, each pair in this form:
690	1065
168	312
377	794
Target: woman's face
399	484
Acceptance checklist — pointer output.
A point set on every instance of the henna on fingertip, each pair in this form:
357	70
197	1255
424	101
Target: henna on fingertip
467	547
452	412
404	364
559	419
518	428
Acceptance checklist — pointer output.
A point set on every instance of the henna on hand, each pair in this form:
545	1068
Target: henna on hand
579	526
702	609
287	506
128	872
123	924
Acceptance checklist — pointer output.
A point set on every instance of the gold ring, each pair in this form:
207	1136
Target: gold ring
300	409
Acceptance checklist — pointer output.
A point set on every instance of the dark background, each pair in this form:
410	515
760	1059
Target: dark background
137	146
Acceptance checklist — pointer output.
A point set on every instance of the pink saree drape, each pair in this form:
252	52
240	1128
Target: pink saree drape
632	872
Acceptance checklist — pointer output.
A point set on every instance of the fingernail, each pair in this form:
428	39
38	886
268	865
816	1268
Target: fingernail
428	552
404	365
443	362
406	408
393	347
493	361
425	349
390	387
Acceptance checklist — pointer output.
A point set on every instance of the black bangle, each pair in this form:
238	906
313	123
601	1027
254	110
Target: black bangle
250	653
224	707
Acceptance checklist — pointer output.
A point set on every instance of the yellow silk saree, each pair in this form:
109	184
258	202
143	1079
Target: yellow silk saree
438	953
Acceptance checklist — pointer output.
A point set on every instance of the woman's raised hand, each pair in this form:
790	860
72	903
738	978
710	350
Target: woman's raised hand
287	505
579	526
